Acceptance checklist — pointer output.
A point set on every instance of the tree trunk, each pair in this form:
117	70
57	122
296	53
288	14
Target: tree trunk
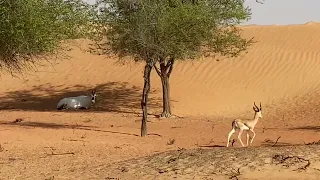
166	107
164	73
145	94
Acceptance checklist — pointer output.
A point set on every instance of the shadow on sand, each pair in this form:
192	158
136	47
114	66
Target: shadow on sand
270	143
307	128
111	97
210	146
61	126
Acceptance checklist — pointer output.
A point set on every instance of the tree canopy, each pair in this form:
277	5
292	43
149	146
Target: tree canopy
35	28
181	29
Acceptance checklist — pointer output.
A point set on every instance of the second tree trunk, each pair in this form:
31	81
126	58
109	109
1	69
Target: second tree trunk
166	107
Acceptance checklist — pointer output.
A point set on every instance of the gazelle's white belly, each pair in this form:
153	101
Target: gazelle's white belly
240	125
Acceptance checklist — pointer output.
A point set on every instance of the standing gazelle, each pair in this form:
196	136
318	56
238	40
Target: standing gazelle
247	125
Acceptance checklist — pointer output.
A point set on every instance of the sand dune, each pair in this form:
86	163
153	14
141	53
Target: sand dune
283	64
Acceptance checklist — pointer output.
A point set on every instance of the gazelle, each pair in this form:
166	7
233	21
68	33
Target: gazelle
246	125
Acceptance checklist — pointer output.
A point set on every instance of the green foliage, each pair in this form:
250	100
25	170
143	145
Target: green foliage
179	29
35	28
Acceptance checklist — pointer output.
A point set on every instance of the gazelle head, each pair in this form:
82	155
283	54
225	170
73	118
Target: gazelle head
93	96
257	110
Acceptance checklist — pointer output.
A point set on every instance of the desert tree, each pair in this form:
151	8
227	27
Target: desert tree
161	32
33	29
190	29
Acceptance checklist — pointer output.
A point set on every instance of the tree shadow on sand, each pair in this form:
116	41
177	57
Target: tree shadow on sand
210	146
268	143
307	128
62	126
45	125
117	97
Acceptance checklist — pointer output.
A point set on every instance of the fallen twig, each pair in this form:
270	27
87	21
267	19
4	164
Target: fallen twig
235	173
175	127
276	141
112	178
74	140
283	158
312	143
154	134
58	154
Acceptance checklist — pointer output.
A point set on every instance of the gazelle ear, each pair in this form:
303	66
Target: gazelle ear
93	91
260	106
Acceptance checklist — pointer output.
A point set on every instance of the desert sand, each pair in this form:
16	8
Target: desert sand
281	70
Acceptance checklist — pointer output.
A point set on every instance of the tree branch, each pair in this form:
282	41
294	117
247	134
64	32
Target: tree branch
157	69
171	66
168	64
260	2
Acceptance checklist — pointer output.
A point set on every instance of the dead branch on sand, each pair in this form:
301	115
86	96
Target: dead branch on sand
312	143
235	173
291	160
57	154
66	139
276	141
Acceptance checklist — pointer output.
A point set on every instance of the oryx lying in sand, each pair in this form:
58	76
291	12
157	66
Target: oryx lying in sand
79	102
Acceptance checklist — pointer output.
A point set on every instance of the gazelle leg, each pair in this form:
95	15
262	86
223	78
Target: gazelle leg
248	137
254	134
239	137
230	134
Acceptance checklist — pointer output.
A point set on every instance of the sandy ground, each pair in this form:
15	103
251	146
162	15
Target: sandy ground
281	71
